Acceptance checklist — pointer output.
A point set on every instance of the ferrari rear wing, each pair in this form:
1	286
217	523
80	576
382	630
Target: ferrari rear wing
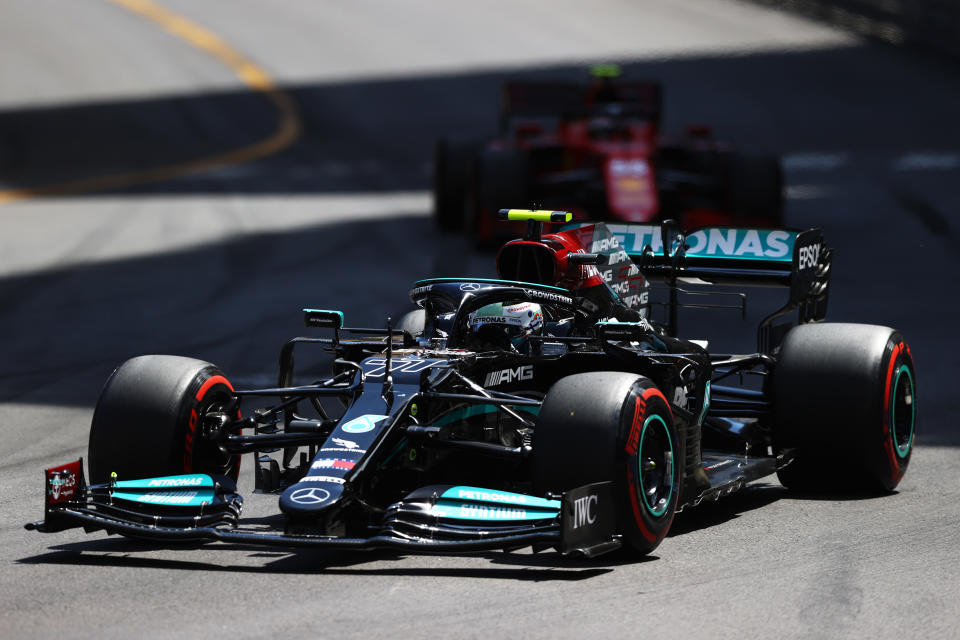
796	260
540	99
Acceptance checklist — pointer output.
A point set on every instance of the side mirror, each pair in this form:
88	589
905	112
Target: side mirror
323	319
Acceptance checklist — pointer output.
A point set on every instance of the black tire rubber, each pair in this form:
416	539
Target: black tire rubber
500	182
452	163
146	422
756	188
413	322
593	427
837	391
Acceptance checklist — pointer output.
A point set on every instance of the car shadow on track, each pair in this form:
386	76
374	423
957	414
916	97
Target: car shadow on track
124	553
711	514
846	496
755	496
607	562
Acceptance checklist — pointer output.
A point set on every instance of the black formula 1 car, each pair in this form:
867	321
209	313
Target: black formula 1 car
544	408
597	149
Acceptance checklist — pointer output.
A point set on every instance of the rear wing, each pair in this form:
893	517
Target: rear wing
534	99
796	260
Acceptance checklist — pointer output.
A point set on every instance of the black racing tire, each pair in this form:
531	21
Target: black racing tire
618	427
413	322
844	399
146	422
756	188
500	182
452	163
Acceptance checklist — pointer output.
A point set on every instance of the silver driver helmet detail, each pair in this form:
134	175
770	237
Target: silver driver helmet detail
502	326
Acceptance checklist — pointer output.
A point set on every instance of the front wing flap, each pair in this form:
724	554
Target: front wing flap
183	503
435	519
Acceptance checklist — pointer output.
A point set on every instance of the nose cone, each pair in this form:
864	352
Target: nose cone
309	497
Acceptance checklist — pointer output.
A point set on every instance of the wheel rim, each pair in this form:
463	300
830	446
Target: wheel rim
904	411
656	465
207	456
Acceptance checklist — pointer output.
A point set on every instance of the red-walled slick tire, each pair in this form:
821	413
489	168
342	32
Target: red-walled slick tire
617	427
148	420
845	400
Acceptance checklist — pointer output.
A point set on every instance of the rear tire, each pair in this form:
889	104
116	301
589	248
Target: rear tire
500	182
452	161
756	189
845	399
147	420
612	426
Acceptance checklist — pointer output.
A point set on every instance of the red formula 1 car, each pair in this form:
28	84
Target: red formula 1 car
596	149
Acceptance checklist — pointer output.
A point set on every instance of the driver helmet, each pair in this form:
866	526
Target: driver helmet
504	326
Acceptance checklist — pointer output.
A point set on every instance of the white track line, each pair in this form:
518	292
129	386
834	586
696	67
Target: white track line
814	161
927	161
906	161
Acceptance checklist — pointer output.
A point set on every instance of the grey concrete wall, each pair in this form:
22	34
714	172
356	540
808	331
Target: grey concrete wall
929	23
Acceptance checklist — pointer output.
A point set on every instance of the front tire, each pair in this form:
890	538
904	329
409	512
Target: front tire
500	182
413	323
756	189
147	421
845	401
617	427
452	162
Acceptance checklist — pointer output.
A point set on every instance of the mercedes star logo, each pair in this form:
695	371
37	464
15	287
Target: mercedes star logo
469	286
311	495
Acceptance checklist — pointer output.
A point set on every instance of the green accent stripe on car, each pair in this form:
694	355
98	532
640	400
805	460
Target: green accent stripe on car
167	498
191	481
476	410
476	503
902	452
709	242
656	513
481	495
511	283
190	490
329	311
454	510
706	404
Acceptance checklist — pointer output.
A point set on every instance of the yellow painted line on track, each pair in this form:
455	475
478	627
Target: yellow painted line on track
288	126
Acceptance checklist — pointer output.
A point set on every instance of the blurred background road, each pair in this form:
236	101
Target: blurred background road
184	177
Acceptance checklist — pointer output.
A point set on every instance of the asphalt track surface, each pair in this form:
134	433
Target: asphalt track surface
217	264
